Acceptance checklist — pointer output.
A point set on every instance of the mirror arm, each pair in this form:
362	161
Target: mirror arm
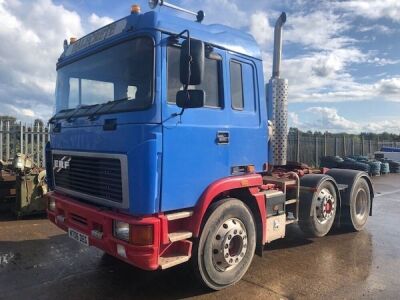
186	86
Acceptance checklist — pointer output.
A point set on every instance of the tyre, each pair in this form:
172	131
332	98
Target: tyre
323	211
226	245
355	215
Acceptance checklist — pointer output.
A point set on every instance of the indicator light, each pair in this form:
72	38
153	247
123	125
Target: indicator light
135	9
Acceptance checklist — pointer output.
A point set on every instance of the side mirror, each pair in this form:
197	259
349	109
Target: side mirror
196	66
191	99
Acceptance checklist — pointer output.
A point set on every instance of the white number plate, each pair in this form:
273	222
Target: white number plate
79	237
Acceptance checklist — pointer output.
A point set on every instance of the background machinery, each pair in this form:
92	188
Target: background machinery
22	187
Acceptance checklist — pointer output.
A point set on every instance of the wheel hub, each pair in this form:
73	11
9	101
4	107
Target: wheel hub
230	244
326	204
361	204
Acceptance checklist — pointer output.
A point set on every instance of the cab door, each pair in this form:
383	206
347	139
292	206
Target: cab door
248	132
196	143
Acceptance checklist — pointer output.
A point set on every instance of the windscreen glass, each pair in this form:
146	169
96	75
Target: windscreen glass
123	72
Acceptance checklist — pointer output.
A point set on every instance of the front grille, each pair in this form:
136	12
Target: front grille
89	176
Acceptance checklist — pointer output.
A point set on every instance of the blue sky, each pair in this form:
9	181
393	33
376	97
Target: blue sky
342	58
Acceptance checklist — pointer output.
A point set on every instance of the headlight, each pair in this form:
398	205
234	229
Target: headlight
51	204
122	230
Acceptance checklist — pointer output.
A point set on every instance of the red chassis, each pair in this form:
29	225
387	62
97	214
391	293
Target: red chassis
87	219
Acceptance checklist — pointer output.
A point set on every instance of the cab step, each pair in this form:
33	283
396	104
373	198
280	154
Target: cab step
171	261
179	236
179	215
291	221
290	201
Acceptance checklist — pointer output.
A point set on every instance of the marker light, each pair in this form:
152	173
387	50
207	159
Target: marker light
72	40
135	9
250	169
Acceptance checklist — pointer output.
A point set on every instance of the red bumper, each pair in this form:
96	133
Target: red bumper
86	219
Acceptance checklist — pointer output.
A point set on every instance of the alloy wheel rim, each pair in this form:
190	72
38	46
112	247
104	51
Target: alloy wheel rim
326	206
361	204
229	246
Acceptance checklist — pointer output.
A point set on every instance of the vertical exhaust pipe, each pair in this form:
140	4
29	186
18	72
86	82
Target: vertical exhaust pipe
277	102
278	45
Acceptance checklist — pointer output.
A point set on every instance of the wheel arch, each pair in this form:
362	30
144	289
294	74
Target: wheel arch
258	211
244	188
349	178
308	186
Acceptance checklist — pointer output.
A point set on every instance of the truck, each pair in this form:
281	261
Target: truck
168	147
391	153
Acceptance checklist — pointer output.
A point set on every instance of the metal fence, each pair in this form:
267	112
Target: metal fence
303	147
23	138
309	148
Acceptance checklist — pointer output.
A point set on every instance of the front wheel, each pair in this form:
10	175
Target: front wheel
226	246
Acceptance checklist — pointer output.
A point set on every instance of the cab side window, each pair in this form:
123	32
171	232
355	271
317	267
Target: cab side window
242	86
211	81
236	85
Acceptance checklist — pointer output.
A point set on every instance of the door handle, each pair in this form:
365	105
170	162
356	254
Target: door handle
222	138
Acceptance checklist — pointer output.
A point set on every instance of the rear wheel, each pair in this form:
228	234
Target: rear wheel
226	246
356	215
323	211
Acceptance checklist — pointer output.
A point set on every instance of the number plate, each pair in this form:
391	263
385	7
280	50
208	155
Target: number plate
79	237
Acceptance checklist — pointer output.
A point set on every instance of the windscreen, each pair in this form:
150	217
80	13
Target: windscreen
123	72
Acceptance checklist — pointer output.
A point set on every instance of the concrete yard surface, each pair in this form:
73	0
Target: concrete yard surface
39	261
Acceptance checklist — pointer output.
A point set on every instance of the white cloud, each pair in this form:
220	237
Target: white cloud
323	74
377	28
294	120
392	126
31	45
22	111
383	61
225	12
387	89
321	29
320	73
372	9
260	28
324	66
329	119
320	118
96	22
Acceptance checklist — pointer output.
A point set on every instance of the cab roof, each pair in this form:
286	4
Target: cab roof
215	34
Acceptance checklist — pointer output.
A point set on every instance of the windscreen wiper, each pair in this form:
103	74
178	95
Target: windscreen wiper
92	116
75	111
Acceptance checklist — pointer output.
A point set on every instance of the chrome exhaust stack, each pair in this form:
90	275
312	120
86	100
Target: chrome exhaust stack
278	45
277	91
